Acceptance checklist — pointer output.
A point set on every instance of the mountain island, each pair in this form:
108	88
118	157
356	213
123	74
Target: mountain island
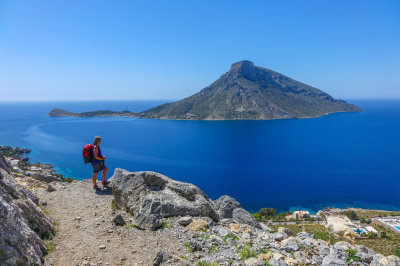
244	92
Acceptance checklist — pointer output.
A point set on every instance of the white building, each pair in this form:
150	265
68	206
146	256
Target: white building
301	214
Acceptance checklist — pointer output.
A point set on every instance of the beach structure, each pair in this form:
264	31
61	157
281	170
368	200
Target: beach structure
392	223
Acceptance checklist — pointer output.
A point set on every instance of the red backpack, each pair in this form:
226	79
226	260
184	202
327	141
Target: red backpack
87	153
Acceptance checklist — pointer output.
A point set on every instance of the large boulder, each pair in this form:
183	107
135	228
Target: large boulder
228	207
23	225
44	177
150	196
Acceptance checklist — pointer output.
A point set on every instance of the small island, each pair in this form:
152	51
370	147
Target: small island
245	92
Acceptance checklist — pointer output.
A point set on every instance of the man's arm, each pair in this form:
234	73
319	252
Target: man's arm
96	153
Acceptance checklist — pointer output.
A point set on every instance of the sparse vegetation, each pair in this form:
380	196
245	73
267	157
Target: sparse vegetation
323	235
205	263
50	246
165	224
189	248
213	249
113	205
245	252
46	212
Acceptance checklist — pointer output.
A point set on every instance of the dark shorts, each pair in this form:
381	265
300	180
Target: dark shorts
97	167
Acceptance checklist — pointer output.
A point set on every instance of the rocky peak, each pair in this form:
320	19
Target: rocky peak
243	69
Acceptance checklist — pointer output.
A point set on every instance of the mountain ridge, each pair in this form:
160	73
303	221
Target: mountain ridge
245	92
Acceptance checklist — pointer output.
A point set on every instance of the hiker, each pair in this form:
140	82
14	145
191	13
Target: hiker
98	163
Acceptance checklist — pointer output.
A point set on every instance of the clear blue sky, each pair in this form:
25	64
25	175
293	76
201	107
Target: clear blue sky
104	50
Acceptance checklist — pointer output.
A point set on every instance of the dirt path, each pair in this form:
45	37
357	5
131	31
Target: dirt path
87	235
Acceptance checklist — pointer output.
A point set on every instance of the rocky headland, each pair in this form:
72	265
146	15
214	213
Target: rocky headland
245	92
146	218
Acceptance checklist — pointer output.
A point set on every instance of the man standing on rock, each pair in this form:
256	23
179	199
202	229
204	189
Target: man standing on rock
98	163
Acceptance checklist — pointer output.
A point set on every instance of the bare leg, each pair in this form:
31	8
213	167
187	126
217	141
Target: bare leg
94	178
104	174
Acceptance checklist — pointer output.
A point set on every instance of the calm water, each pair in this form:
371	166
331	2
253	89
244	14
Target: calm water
349	159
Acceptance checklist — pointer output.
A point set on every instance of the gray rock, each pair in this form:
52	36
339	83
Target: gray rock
343	245
364	249
290	245
285	230
228	207
279	236
51	188
275	262
380	260
44	177
118	220
253	262
304	235
221	231
335	257
197	244
185	220
150	196
22	223
158	258
365	257
264	227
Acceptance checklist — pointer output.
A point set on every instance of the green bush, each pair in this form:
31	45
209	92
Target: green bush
384	235
267	212
352	256
352	215
257	216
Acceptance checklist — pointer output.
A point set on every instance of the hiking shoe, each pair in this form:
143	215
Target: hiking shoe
96	187
105	183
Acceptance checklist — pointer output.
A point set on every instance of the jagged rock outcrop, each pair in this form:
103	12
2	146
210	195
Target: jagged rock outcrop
23	225
228	207
150	196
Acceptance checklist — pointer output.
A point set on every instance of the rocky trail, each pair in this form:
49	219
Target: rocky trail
87	235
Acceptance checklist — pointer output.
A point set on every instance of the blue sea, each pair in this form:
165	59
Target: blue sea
344	159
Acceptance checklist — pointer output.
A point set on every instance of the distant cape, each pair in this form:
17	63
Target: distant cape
245	92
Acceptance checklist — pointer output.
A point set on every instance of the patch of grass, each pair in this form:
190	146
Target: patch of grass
205	263
205	229
165	224
189	248
132	225
113	205
323	235
213	249
46	212
309	227
50	246
184	257
245	252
